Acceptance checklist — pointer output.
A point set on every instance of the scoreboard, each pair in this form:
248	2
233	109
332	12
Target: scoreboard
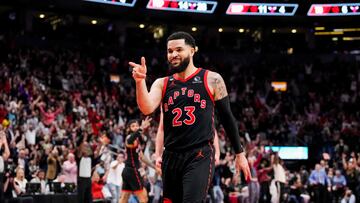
265	9
343	9
193	6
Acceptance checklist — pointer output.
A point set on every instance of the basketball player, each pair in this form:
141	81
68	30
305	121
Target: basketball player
188	98
132	180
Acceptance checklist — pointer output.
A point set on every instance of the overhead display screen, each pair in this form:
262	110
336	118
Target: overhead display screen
290	152
344	9
192	6
262	9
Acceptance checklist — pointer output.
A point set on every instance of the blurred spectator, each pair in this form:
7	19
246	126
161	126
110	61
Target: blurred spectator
48	116
9	186
338	185
352	173
318	181
84	155
263	171
52	165
349	197
341	148
40	178
96	186
20	182
297	191
69	168
279	177
118	138
114	178
254	159
23	161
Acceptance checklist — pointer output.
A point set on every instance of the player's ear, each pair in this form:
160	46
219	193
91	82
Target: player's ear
193	50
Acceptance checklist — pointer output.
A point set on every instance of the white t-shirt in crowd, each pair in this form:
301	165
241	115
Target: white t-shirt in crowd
30	136
114	175
21	184
1	164
279	173
85	167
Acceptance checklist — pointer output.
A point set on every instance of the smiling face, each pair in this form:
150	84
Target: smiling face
179	55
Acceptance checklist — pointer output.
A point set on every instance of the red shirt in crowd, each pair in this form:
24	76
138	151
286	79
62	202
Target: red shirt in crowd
3	113
48	118
96	190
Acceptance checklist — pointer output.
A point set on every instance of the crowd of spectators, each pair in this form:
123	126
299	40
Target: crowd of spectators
54	98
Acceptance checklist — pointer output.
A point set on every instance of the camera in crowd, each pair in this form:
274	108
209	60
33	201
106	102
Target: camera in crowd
10	168
348	193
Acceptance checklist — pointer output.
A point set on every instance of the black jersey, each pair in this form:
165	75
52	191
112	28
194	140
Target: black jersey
133	142
188	108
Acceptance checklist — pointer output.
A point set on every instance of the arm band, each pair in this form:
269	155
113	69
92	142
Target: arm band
228	121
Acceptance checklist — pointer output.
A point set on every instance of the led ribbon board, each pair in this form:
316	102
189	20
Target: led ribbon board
345	9
262	9
128	3
290	152
193	6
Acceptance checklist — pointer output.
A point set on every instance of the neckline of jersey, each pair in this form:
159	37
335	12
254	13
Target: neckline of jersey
187	78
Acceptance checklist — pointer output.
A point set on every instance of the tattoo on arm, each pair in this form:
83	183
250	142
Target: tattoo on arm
220	87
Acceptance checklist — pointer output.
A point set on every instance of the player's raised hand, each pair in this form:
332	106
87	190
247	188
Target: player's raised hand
139	70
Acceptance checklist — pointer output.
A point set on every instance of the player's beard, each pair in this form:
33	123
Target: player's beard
180	68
